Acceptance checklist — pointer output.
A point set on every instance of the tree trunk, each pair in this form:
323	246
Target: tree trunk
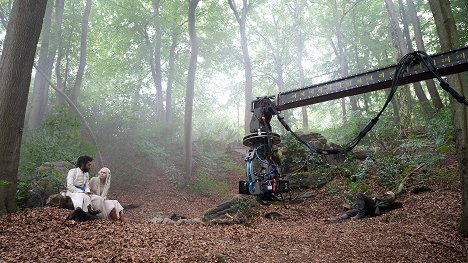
16	65
280	82
298	10
135	101
84	37
241	19
157	71
343	109
449	40
397	36
359	64
189	95
170	75
340	52
395	106
423	100
41	87
435	97
59	7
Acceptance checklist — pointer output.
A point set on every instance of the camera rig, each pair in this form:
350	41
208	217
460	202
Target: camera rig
264	178
263	170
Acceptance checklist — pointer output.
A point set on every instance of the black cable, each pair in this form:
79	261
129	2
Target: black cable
427	61
402	64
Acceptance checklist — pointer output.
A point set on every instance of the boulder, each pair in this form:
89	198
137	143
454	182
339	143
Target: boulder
238	210
60	200
360	153
50	179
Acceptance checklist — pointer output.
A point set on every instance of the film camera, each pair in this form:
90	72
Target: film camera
264	177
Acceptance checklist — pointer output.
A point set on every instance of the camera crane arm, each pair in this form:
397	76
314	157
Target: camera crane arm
446	63
264	176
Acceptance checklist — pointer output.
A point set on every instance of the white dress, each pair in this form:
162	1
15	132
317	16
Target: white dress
108	204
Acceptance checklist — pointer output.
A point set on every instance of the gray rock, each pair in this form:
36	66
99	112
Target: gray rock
309	195
168	221
157	220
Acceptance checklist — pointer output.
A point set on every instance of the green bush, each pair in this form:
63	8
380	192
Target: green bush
441	127
203	183
389	169
356	183
58	138
230	165
244	208
333	188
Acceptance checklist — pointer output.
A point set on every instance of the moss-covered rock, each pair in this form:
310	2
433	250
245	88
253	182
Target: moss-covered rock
50	179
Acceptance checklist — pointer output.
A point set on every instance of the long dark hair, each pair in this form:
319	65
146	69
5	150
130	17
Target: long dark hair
83	160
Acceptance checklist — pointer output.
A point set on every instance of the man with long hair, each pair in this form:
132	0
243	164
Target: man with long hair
78	186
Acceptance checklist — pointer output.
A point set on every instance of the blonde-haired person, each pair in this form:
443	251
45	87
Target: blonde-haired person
100	185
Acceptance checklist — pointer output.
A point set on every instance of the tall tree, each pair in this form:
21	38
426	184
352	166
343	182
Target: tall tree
241	18
435	97
41	87
16	65
417	85
84	40
449	40
155	59
338	44
399	48
299	36
277	35
59	9
171	69
189	95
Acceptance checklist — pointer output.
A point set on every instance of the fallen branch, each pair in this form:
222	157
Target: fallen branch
400	187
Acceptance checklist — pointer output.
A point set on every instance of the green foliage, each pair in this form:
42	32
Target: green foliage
356	183
244	208
203	183
448	175
59	138
385	130
296	155
441	127
390	168
447	149
387	218
230	165
333	188
158	142
5	182
416	151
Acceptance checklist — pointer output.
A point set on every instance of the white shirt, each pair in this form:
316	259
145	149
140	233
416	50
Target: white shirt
77	177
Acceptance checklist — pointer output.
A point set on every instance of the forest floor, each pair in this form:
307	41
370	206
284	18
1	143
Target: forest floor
424	230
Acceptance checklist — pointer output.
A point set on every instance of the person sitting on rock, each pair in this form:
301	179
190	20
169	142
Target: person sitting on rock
367	206
100	185
78	187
